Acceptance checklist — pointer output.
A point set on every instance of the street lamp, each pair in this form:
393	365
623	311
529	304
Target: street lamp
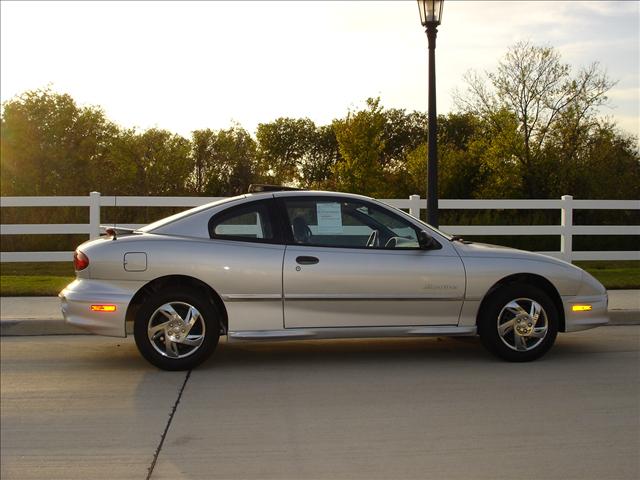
430	17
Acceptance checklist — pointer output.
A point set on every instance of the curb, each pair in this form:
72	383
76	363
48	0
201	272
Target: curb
28	327
33	327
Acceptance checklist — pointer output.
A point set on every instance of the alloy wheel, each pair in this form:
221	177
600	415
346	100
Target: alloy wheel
176	329
522	324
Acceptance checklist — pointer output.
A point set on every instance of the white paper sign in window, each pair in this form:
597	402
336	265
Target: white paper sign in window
329	218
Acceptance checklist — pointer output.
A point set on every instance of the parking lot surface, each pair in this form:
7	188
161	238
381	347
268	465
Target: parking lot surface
89	407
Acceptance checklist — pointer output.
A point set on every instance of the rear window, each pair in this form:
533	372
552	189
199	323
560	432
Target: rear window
165	221
250	222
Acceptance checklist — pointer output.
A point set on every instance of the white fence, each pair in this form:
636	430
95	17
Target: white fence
565	229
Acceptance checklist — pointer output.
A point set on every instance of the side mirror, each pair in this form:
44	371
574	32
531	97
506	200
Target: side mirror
426	241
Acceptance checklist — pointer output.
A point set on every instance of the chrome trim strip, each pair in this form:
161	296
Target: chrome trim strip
443	330
251	297
352	332
270	335
369	297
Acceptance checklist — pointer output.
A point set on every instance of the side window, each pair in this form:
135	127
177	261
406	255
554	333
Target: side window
250	222
335	223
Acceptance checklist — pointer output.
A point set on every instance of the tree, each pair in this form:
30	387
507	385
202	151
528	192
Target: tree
154	162
166	162
318	165
202	157
605	165
231	163
361	143
540	90
403	132
284	145
50	145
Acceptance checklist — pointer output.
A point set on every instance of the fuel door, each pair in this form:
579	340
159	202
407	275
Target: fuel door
135	261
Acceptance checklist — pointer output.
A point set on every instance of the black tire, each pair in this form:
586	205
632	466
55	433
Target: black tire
499	309
178	356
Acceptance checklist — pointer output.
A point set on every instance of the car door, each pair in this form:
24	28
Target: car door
244	265
353	263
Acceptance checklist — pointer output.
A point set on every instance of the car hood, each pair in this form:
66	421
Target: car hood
485	250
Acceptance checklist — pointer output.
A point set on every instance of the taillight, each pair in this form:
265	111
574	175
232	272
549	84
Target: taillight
80	261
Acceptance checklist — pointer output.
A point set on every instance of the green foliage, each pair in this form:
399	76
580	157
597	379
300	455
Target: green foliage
553	142
317	169
375	146
225	162
474	158
284	145
237	160
48	143
155	162
296	152
361	143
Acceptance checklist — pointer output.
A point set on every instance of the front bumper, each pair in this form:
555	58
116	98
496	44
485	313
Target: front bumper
76	300
583	320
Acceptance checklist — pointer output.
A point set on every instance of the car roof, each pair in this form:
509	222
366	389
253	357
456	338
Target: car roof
317	193
223	204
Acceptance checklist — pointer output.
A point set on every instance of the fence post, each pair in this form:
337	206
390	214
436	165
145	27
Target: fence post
566	221
94	215
414	206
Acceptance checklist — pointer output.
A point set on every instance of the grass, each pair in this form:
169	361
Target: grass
53	269
614	275
32	285
34	279
47	279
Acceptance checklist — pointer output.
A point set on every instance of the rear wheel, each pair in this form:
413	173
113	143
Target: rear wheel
176	329
518	323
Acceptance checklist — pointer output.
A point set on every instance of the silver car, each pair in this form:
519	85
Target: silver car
284	264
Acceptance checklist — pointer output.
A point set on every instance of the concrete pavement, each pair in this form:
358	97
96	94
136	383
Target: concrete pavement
77	407
41	315
90	407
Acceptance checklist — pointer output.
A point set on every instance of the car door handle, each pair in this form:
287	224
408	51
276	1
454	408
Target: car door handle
307	260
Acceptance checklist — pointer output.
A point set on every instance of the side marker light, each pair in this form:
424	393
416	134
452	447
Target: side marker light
581	308
103	308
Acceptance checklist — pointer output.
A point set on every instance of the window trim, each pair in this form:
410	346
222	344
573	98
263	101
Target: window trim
281	208
269	205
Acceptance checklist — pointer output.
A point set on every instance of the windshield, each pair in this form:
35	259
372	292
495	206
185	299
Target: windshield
430	227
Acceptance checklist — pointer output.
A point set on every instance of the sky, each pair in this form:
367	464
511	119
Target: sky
191	65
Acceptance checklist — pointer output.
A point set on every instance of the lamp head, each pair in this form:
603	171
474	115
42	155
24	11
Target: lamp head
430	12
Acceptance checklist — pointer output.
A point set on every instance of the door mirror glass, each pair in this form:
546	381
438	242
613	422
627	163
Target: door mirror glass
426	241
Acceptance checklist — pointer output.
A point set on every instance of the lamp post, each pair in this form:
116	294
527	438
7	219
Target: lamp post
430	17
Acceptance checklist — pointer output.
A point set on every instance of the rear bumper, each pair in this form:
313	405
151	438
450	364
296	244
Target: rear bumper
583	320
76	300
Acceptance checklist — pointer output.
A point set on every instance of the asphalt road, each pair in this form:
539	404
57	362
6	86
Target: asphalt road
90	407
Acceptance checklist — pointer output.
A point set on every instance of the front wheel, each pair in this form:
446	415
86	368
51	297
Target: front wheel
176	330
518	323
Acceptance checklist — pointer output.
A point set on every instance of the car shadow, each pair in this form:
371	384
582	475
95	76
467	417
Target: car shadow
359	352
101	353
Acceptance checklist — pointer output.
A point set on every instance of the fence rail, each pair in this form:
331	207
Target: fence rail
565	229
